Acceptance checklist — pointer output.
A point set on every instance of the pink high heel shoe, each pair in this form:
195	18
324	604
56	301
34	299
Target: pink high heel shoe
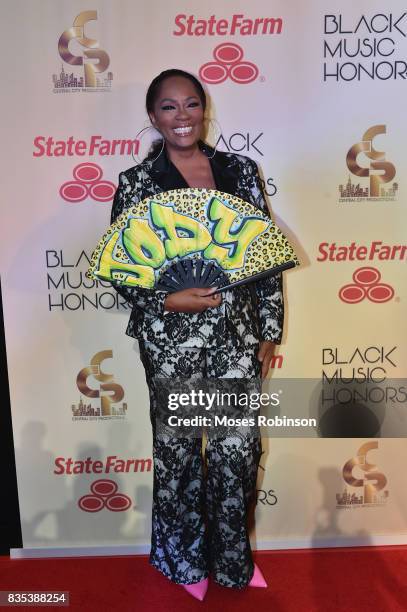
258	578
198	589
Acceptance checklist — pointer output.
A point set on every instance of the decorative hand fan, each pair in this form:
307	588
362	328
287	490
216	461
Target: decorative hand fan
191	238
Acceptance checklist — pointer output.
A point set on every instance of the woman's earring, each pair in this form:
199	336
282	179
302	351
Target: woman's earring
138	139
161	150
217	133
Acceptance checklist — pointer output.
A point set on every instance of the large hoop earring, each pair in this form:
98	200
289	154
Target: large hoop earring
139	133
217	133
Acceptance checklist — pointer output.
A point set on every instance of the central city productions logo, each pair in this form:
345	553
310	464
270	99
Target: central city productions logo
87	184
104	495
108	391
89	79
228	64
370	484
366	284
376	163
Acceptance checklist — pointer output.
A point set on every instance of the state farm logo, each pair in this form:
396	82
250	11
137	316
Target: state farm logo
366	280
228	64
87	184
104	495
47	146
373	251
234	25
110	464
366	284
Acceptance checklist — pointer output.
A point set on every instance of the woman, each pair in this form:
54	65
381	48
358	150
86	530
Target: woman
196	333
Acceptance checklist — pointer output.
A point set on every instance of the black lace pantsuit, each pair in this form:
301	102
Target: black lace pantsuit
199	525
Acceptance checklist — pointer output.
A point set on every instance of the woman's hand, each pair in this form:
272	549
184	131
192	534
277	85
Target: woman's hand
265	355
192	300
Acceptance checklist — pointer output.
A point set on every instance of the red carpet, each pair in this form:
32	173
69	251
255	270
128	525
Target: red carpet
324	580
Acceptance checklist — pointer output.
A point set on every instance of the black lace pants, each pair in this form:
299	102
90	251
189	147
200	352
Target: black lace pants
199	525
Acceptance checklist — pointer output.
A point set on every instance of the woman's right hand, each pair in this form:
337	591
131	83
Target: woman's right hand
192	300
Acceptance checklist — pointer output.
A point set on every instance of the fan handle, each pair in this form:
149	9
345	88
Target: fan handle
251	279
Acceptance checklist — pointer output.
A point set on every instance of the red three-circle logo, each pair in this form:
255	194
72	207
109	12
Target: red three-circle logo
87	183
228	64
366	284
104	495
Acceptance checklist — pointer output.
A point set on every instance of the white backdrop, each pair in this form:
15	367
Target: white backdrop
299	123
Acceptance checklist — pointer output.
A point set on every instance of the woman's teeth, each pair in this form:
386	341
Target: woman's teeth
183	131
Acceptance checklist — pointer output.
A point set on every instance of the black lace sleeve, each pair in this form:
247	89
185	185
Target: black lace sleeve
269	291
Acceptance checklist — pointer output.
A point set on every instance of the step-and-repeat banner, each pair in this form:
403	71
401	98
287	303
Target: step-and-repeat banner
316	96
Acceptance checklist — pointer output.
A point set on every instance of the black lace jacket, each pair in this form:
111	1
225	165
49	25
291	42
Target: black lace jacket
247	314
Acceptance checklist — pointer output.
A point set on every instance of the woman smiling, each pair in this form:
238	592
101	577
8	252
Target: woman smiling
199	525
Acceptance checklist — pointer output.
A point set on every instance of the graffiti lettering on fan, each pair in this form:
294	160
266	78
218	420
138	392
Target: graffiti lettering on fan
183	235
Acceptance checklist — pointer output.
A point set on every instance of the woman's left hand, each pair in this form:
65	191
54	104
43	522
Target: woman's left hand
265	355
